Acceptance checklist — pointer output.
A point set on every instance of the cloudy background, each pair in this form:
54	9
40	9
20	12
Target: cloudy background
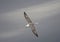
12	21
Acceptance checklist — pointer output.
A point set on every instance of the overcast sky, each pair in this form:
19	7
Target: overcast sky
12	21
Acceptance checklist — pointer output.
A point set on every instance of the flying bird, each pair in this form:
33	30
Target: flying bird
30	24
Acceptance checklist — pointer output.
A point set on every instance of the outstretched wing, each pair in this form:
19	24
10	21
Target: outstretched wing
33	29
31	24
27	18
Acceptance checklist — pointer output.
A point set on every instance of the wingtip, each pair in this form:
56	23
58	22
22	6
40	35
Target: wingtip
36	35
24	13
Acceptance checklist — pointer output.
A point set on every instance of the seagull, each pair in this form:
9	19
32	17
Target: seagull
30	24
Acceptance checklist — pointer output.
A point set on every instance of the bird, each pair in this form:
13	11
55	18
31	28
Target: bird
30	24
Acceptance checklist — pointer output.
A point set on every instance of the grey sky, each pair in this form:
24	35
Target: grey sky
12	21
10	5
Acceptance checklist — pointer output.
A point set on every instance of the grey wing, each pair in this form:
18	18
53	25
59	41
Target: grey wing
27	18
34	30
